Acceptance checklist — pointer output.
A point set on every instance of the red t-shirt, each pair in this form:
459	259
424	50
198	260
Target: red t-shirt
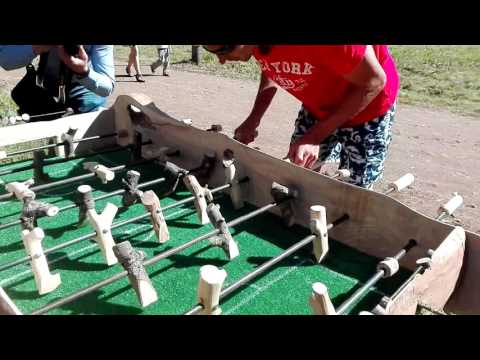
313	74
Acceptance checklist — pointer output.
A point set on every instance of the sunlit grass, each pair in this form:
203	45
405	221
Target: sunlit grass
444	76
440	76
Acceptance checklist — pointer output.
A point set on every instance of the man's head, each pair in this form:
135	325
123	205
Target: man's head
231	52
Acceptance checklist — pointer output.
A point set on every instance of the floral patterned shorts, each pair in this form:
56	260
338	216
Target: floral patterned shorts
361	149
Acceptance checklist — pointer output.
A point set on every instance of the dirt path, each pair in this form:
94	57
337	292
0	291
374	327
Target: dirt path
441	149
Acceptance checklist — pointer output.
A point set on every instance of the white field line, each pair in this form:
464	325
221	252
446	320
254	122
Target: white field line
16	276
265	287
261	289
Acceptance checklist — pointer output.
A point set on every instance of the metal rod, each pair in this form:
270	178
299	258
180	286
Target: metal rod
48	114
12	223
72	180
96	137
408	281
442	216
60	144
417	271
389	191
101	197
228	290
114	226
79	294
372	281
77	178
30	150
150	261
49	162
265	266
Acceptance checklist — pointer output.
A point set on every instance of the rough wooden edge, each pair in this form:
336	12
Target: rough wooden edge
364	231
94	123
436	285
365	208
7	306
466	297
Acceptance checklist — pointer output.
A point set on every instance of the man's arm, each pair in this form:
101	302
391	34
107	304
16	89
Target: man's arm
368	79
267	89
101	76
16	56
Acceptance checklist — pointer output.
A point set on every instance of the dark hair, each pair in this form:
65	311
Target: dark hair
72	50
265	49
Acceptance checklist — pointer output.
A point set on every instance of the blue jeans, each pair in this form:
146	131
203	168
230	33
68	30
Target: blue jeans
82	100
361	149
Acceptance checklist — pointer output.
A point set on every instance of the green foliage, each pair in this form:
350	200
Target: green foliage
445	76
7	106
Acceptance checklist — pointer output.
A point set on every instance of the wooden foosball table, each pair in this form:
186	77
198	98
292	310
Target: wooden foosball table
130	211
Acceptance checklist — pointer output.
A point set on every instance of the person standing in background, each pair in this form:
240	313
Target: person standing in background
134	59
163	59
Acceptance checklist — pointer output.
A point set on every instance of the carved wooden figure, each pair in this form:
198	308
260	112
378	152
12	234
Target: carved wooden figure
102	225
202	194
85	202
152	204
33	209
209	288
231	177
224	239
318	226
21	189
45	281
320	301
67	139
132	262
100	171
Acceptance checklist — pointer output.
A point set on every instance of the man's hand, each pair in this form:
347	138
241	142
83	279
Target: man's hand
78	64
247	132
305	155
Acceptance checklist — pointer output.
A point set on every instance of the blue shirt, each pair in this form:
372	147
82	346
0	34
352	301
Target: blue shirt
100	79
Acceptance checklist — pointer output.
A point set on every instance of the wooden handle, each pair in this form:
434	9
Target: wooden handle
320	301
453	204
403	182
209	288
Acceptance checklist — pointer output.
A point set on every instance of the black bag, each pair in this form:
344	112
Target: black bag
34	99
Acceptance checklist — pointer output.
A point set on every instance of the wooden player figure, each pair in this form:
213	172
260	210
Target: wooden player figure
132	262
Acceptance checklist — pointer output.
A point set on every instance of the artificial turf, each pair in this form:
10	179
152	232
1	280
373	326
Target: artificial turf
284	289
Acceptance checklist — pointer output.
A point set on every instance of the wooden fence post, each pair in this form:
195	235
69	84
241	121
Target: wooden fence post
196	54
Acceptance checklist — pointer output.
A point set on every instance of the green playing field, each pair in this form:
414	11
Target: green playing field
284	289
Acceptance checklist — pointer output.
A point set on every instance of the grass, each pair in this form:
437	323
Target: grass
444	76
180	60
73	268
440	76
437	76
7	105
284	289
